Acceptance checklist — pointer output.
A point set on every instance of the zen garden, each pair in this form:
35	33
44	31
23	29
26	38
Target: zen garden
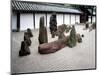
54	48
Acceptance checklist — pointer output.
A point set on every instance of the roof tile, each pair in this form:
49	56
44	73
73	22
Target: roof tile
28	6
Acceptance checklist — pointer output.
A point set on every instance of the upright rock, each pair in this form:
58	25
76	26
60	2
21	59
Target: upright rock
79	38
87	25
53	25
61	35
25	45
43	38
29	32
72	38
61	29
27	39
24	49
93	26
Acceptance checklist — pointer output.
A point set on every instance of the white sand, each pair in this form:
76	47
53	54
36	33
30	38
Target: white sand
81	56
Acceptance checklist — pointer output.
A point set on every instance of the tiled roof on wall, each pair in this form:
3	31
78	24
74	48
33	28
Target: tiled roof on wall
37	7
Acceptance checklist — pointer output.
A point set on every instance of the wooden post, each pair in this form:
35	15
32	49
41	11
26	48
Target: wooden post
92	15
63	18
70	18
46	19
18	22
34	19
75	18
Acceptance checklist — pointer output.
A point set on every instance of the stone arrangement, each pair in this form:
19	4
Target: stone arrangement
51	47
90	26
53	25
43	38
93	26
25	50
54	46
61	29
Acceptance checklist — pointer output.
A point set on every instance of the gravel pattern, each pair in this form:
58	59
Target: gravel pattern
81	56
